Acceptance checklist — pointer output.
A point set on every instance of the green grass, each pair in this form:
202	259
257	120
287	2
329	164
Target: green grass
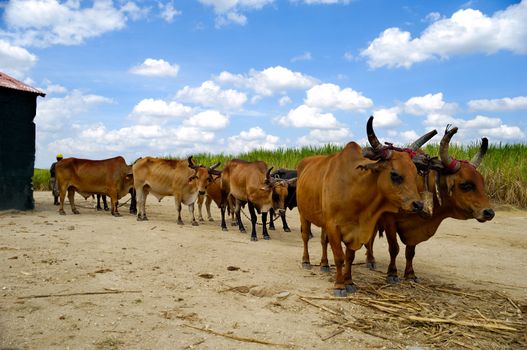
504	167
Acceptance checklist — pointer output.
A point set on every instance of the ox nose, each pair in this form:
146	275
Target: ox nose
417	206
201	192
488	214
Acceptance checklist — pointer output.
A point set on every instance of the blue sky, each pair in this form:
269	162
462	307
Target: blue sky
154	78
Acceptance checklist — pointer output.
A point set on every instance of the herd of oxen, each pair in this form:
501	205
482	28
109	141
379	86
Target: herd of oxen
350	195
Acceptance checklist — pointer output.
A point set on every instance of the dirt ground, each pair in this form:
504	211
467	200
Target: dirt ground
93	281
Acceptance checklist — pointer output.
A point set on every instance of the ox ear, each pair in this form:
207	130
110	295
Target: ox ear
374	167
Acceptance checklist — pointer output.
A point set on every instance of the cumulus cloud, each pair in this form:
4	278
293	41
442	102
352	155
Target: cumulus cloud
306	56
149	111
15	60
427	104
468	31
284	100
308	117
387	117
211	94
230	11
331	96
268	81
324	137
156	68
53	113
43	23
254	138
168	11
500	104
208	120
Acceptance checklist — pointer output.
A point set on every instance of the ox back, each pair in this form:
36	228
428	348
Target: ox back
111	177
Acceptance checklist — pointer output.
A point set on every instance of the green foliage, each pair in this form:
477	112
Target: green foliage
41	180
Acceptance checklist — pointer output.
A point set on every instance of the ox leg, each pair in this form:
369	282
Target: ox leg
178	208
71	197
141	200
271	220
284	223
223	206
191	211
348	280
370	259
200	200
62	195
324	263
133	202
264	223
254	218
305	230
393	248
230	206
208	201
99	208
238	216
104	203
115	205
409	273
338	256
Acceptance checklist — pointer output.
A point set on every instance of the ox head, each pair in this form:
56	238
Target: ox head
397	177
462	185
203	176
276	191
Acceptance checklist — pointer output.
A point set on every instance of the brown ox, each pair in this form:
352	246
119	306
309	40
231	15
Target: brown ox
345	194
213	193
167	177
111	177
251	183
460	194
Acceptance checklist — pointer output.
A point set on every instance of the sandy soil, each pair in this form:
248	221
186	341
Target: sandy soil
184	287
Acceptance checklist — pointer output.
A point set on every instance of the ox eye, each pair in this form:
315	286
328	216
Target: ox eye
466	186
396	178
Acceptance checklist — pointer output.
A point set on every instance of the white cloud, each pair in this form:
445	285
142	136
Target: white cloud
149	111
268	81
284	100
229	11
400	138
306	56
254	138
323	137
500	104
433	17
53	113
15	60
210	94
468	31
208	120
427	104
168	11
331	96
153	67
49	22
387	117
308	117
326	2
348	56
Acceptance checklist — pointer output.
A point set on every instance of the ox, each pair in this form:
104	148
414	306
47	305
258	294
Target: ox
213	193
167	177
459	194
111	177
290	199
345	194
251	183
133	203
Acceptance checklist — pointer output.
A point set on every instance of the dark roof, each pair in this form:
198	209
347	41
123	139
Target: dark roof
11	83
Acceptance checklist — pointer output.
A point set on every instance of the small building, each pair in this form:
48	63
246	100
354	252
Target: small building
18	107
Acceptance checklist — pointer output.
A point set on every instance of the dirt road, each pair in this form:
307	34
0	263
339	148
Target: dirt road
92	281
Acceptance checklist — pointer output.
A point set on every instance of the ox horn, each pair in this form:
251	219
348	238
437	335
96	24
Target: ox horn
191	163
372	138
478	157
212	169
447	161
422	140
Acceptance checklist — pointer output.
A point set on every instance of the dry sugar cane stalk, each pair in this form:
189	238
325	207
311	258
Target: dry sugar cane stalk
461	323
112	291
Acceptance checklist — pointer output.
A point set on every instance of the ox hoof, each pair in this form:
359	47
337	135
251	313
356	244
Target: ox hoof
287	229
201	220
306	265
180	222
324	269
195	223
267	237
242	230
224	229
99	209
272	228
350	288
371	265
413	279
133	211
62	212
253	238
393	279
106	208
340	293
76	211
211	219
